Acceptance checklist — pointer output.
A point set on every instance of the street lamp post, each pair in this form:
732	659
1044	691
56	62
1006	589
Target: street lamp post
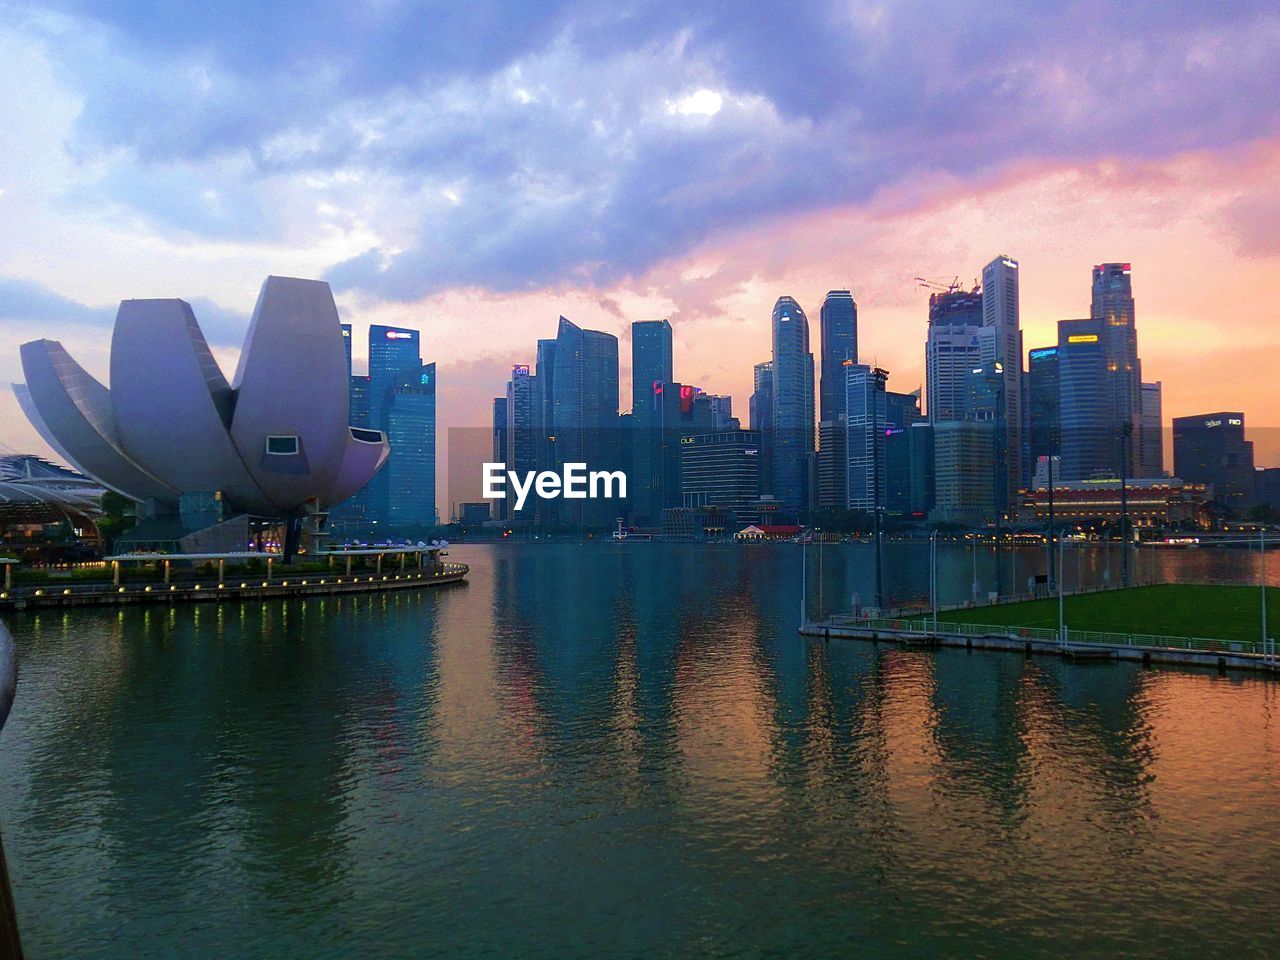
1126	432
973	555
1262	584
1052	574
804	578
1062	620
933	576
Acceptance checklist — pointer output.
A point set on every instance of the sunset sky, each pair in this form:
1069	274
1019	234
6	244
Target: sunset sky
477	170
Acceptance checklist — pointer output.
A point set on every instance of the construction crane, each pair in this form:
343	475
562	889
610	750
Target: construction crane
950	286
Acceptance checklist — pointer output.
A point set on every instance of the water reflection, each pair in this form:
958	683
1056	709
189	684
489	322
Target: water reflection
593	749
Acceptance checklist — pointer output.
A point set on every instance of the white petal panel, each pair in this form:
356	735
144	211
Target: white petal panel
360	462
292	382
76	411
169	396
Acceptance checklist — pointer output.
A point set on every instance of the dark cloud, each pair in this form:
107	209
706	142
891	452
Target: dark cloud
23	300
27	302
515	145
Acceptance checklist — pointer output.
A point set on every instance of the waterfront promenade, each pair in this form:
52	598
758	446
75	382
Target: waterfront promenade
1027	626
233	585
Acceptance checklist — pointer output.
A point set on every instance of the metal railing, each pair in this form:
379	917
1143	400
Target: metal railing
10	947
923	626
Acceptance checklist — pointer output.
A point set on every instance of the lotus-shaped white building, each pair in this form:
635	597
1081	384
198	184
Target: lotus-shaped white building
276	442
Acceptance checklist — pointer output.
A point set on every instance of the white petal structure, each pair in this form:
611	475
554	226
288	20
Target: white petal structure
276	441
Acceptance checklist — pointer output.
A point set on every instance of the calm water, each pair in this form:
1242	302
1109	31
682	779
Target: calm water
593	750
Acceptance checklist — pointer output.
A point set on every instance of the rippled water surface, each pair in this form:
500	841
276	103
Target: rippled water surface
593	750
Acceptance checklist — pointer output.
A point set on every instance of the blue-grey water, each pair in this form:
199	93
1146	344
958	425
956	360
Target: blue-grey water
624	751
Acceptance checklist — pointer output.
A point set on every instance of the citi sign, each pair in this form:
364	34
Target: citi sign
574	482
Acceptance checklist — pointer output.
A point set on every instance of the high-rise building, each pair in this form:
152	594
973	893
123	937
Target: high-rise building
346	344
962	463
499	452
1152	460
902	410
392	351
651	372
543	402
833	464
523	434
1000	316
839	333
584	416
410	413
953	348
1210	448
760	411
793	419
722	470
1266	486
1042	403
1112	306
651	359
920	445
865	413
721	406
1089	431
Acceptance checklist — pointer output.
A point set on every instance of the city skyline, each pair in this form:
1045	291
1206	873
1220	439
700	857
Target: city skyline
861	180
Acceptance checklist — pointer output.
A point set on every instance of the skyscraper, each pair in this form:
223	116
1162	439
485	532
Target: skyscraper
651	381
651	360
953	348
1042	403
1000	315
410	413
962	464
1210	448
722	411
499	452
392	351
523	434
865	422
584	417
839	332
1088	442
1112	305
760	410
543	402
1152	430
793	420
722	469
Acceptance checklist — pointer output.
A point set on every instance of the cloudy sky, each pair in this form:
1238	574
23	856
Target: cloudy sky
475	170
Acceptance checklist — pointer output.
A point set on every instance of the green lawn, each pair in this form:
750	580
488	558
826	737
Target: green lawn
1172	610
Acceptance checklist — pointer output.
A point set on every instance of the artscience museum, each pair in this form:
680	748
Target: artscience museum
212	463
